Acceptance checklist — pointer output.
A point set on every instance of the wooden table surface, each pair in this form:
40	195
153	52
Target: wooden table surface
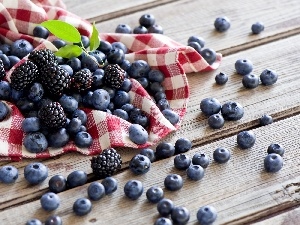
240	190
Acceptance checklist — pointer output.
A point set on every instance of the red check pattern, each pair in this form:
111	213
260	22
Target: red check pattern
17	20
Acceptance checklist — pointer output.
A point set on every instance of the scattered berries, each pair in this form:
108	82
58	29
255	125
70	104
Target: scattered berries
268	77
243	66
154	194
265	120
221	78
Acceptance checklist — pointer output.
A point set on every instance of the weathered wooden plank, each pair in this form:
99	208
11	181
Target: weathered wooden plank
196	17
240	190
280	100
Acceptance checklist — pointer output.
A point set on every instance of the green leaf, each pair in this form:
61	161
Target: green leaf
69	51
94	40
62	30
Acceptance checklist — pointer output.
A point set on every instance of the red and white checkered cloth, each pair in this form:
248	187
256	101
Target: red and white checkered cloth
17	20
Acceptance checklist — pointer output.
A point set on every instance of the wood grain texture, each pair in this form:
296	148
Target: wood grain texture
196	17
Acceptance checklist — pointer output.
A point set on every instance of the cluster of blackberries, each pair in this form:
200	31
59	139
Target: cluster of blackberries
146	25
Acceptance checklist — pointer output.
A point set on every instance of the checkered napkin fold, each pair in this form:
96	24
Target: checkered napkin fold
17	20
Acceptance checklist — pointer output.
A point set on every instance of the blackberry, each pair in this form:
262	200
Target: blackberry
43	57
52	115
2	70
24	75
114	75
82	80
106	163
55	80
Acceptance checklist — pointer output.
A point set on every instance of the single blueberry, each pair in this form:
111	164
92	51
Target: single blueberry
50	201
90	62
137	116
74	63
127	107
156	76
164	150
182	161
121	98
97	80
139	164
35	142
13	60
210	106
206	215
163	104
221	78
195	172
40	31
216	121
115	56
100	56
140	30
121	113
104	47
87	99
82	206
139	68
25	105
182	145
143	81
96	191
159	96
123	28
36	92
171	115
73	126
133	189
273	163
209	55
80	114
232	111
120	45
180	215
34	222
154	194
257	28
53	220
5	48
58	138
5	90
4	111
6	61
110	185
197	39
246	139
16	95
195	45
222	24
31	124
35	173
163	221
276	148
147	20
76	178
67	68
85	41
8	174
100	99
265	120
243	66
138	134
155	29
149	153
165	207
58	43
268	77
221	155
111	91
155	87
21	48
250	81
57	183
173	182
200	159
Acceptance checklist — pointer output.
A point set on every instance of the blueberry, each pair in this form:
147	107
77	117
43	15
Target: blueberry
82	206
85	41
121	98
209	55
111	91
50	201
197	39
97	81
87	99
25	105
250	81
90	62
163	221
58	138
165	207
140	30
243	66
110	185
137	116
164	150
13	60
35	173
76	178
115	56
155	87
206	215
36	92
58	43
16	95
180	215
125	65
35	142
147	20
138	134
8	174
139	164
33	222
173	182
156	76
221	155
31	124
4	111
74	63
73	126
53	220
149	153
96	191
216	121
5	48
159	96
195	45
182	145
80	114
6	61
268	77
200	159
265	120
182	161
40	31
21	48
120	45
127	107
100	56
154	194
246	139
143	81
222	24
232	111
163	104
121	113
221	78
171	115
210	106
57	184
100	99
195	172
133	189
257	28
273	163
139	68
104	47
67	68
156	29
276	148
5	90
